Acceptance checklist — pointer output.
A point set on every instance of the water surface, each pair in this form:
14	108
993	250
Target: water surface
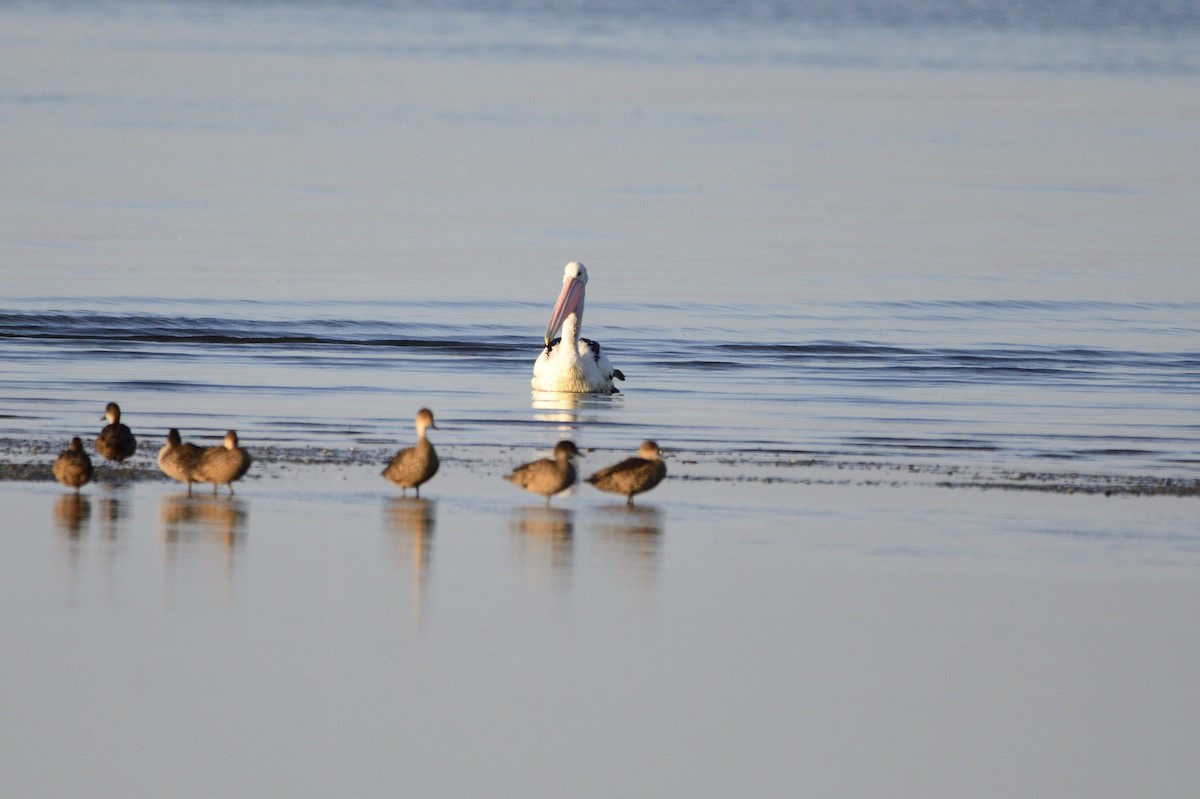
847	255
937	383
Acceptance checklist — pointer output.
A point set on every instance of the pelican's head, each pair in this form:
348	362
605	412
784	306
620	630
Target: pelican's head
570	299
575	271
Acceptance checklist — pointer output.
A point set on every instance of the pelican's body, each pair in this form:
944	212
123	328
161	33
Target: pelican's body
548	476
633	475
570	363
416	464
222	464
178	459
73	467
116	441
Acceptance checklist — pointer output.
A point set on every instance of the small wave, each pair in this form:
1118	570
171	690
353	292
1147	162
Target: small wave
817	349
837	360
919	445
919	388
203	331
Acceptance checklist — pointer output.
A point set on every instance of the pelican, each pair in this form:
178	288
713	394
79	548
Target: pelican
116	441
223	463
178	459
548	476
73	467
633	475
570	363
416	464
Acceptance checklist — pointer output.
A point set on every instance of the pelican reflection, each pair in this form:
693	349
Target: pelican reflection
412	521
71	514
563	409
556	407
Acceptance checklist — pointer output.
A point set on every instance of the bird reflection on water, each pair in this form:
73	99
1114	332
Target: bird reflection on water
413	521
569	411
71	514
113	511
546	534
219	518
634	534
638	525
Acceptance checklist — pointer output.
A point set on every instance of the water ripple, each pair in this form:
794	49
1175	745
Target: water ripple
950	381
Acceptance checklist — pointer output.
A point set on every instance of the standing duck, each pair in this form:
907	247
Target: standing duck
548	476
633	475
116	441
73	467
222	464
177	459
416	464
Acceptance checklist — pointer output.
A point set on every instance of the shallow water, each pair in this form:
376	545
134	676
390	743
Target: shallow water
317	634
845	255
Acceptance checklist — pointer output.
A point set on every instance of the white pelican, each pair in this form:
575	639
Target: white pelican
570	363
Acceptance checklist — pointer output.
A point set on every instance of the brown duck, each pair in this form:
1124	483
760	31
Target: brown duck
222	464
548	476
416	464
73	467
177	459
116	441
633	475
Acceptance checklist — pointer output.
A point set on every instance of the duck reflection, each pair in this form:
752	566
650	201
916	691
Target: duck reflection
412	521
546	533
635	533
74	513
113	513
637	524
71	514
220	518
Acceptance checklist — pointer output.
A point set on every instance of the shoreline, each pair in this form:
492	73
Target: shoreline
31	462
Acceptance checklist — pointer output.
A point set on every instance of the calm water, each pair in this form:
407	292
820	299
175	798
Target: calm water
842	252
